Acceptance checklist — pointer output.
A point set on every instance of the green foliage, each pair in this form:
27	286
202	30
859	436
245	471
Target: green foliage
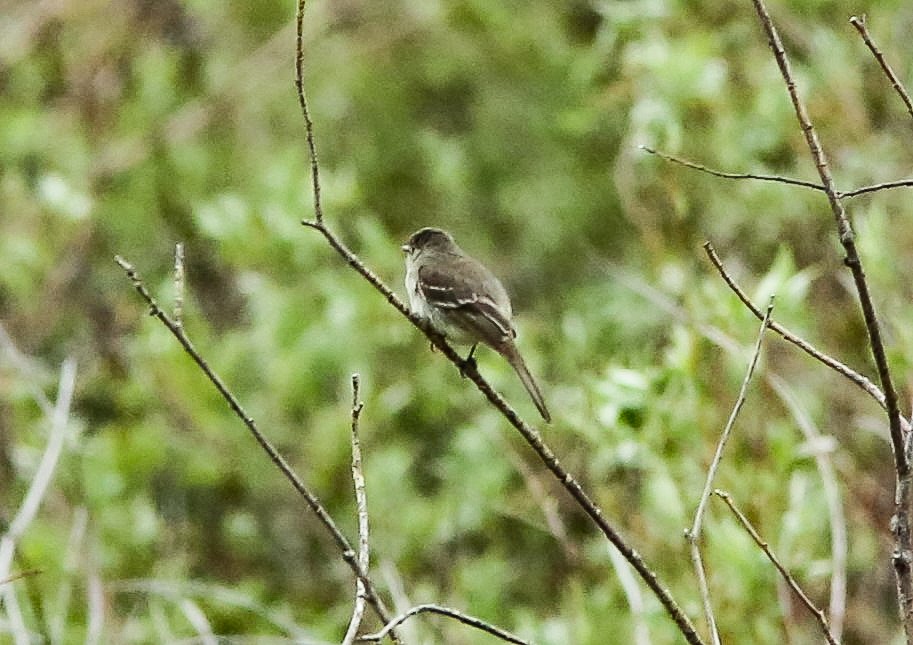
515	125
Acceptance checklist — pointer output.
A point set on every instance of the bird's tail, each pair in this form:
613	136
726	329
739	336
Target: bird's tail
512	354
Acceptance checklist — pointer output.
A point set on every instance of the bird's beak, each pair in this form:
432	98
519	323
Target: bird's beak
406	248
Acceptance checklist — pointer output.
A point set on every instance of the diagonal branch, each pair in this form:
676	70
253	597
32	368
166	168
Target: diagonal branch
847	239
818	614
902	557
530	434
859	24
864	383
345	548
694	534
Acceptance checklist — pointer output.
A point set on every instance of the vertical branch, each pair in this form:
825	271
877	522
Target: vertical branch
694	534
902	557
847	239
179	281
361	502
305	112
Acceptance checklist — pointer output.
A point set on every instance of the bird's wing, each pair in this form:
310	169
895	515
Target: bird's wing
476	298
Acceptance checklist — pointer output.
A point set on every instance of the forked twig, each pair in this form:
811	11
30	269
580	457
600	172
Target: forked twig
803	597
811	433
694	534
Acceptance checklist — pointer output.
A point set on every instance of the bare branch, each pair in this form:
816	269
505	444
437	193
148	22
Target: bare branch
450	613
731	175
305	112
361	502
900	183
859	24
818	614
530	434
812	435
864	383
887	185
345	548
694	535
178	284
847	239
902	557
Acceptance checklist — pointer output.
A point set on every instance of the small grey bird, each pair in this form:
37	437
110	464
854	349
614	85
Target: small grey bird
463	300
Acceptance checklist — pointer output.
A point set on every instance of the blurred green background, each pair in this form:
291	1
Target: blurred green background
128	126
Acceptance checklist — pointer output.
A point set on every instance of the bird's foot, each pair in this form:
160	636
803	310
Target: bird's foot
468	364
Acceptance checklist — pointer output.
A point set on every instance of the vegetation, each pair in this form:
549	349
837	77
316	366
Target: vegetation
127	128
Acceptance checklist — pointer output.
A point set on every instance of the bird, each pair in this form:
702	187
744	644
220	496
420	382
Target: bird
463	301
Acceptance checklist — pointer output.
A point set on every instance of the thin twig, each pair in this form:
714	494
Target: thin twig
864	383
847	239
694	535
812	435
899	183
305	112
731	175
887	185
530	434
450	613
345	548
859	24
818	614
361	502
178	315
902	556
